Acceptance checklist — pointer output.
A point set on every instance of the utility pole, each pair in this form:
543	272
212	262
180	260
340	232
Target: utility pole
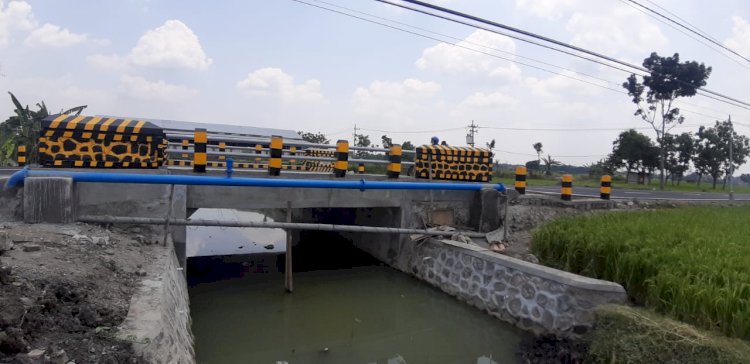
731	161
473	128
354	136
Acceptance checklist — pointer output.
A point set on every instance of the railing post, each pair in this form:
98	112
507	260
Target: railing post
21	157
185	145
222	149
606	189
342	158
566	191
292	152
521	173
258	150
199	150
274	160
394	157
361	168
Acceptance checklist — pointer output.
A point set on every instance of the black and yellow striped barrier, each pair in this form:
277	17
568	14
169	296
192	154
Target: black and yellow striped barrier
292	152
188	163
521	173
200	139
21	157
99	142
318	166
606	189
274	160
185	145
453	163
342	158
566	191
394	157
258	150
361	168
222	149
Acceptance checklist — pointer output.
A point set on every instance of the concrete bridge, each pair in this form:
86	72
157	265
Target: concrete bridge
61	200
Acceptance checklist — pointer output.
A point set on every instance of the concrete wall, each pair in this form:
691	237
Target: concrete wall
158	321
530	296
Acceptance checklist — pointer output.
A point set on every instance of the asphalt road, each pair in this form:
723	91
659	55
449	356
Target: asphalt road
617	193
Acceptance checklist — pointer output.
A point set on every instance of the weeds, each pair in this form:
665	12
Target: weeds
692	264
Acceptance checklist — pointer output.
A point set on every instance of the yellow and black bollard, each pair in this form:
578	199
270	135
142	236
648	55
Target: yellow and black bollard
361	168
258	150
394	157
21	155
606	189
274	158
222	149
566	192
521	179
185	145
200	139
342	158
292	152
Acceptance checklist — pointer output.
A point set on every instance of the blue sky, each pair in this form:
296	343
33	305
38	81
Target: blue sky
279	63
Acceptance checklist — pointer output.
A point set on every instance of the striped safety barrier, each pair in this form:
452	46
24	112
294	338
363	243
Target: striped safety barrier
200	158
521	173
342	158
21	156
606	189
394	157
274	160
566	191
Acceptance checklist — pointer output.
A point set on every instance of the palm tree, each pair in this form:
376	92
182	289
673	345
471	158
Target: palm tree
538	148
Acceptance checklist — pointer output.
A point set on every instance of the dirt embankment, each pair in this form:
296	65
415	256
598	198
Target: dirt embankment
65	288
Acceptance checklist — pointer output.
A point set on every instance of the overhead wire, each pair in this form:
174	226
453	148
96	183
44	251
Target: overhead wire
547	39
710	39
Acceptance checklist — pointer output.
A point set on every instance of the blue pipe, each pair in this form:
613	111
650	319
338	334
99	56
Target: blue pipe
18	177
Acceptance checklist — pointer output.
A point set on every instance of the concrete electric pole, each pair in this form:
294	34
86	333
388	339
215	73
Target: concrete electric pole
731	161
473	128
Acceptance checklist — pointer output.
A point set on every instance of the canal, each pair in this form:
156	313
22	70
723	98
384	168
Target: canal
356	311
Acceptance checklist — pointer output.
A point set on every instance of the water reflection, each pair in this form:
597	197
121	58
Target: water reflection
212	240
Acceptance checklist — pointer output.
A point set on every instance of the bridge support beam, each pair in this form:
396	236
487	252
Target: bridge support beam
50	200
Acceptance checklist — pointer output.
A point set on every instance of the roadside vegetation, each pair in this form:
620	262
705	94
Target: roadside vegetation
692	264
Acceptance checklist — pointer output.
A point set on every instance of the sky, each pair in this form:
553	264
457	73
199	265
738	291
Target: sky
288	65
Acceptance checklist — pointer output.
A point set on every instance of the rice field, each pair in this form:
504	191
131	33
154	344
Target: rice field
692	264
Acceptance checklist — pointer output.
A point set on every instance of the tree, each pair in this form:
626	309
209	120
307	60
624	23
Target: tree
538	148
24	128
387	142
315	138
631	150
709	157
548	164
407	145
361	140
745	177
740	148
533	166
668	80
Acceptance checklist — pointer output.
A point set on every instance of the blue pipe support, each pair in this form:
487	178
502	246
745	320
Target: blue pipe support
18	177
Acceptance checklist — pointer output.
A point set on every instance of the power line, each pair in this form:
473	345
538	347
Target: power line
689	29
457	45
412	131
478	44
547	39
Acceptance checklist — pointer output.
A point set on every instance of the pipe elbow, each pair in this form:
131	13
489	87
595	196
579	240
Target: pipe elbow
16	178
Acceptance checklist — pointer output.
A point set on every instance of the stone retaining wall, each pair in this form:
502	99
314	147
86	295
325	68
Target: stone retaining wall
158	321
530	296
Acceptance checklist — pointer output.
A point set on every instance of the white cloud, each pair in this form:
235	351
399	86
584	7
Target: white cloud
615	30
140	88
53	36
170	45
548	9
740	39
561	86
17	16
111	62
395	104
457	60
273	82
490	100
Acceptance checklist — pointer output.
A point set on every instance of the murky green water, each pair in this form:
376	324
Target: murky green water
361	315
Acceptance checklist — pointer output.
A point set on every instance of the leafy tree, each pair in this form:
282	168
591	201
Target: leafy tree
602	167
709	157
538	148
387	142
315	138
745	177
680	150
23	129
361	140
740	148
632	150
668	80
407	145
533	166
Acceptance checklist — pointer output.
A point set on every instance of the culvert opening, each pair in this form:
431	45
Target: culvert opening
345	307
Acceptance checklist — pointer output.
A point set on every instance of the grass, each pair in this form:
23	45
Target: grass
633	335
692	264
586	181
